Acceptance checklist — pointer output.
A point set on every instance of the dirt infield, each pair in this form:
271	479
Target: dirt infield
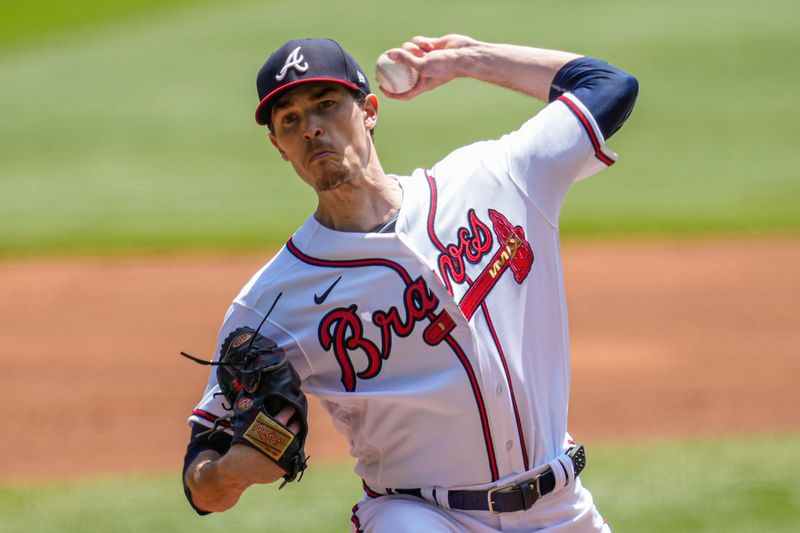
667	339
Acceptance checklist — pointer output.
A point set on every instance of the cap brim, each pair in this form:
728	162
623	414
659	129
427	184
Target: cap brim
264	108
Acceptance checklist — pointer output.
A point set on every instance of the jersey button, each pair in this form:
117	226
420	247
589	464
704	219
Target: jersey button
499	390
509	445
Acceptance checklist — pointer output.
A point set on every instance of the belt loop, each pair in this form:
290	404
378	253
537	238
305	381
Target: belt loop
567	468
514	493
440	497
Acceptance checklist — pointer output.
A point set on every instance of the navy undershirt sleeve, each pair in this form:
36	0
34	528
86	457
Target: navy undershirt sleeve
607	92
219	442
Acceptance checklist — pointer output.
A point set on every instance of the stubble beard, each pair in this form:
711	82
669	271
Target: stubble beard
334	175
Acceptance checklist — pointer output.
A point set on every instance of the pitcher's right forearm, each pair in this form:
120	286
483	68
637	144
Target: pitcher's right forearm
212	487
521	68
216	482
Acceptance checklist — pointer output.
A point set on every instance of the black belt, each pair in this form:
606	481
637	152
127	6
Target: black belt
508	498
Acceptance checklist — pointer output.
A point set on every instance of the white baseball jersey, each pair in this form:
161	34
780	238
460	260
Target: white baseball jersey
441	350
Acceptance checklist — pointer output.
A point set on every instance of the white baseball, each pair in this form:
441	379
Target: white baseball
395	77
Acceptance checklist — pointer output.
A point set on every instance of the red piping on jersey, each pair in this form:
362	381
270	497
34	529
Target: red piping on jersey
510	386
598	152
487	435
371	493
205	415
431	232
354	519
438	243
347	263
462	357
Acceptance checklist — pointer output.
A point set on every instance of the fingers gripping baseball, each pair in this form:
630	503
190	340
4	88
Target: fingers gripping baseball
436	60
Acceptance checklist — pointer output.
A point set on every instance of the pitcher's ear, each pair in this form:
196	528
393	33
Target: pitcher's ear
371	111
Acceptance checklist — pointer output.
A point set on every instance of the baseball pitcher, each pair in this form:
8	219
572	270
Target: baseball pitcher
426	312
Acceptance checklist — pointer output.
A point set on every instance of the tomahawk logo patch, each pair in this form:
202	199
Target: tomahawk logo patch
476	242
296	61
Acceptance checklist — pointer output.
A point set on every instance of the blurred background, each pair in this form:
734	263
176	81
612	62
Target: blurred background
137	195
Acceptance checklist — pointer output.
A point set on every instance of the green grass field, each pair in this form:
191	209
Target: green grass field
126	127
129	128
42	22
745	484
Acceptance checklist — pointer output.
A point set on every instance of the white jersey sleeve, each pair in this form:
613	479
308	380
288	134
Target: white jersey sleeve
558	146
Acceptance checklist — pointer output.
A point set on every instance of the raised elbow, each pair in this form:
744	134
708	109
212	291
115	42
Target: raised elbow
628	90
607	92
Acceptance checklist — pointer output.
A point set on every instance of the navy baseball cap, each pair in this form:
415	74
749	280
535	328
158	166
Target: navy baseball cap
304	61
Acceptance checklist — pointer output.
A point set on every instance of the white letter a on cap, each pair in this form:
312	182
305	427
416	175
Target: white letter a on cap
295	61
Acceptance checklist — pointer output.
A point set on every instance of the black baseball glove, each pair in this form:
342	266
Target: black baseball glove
259	382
